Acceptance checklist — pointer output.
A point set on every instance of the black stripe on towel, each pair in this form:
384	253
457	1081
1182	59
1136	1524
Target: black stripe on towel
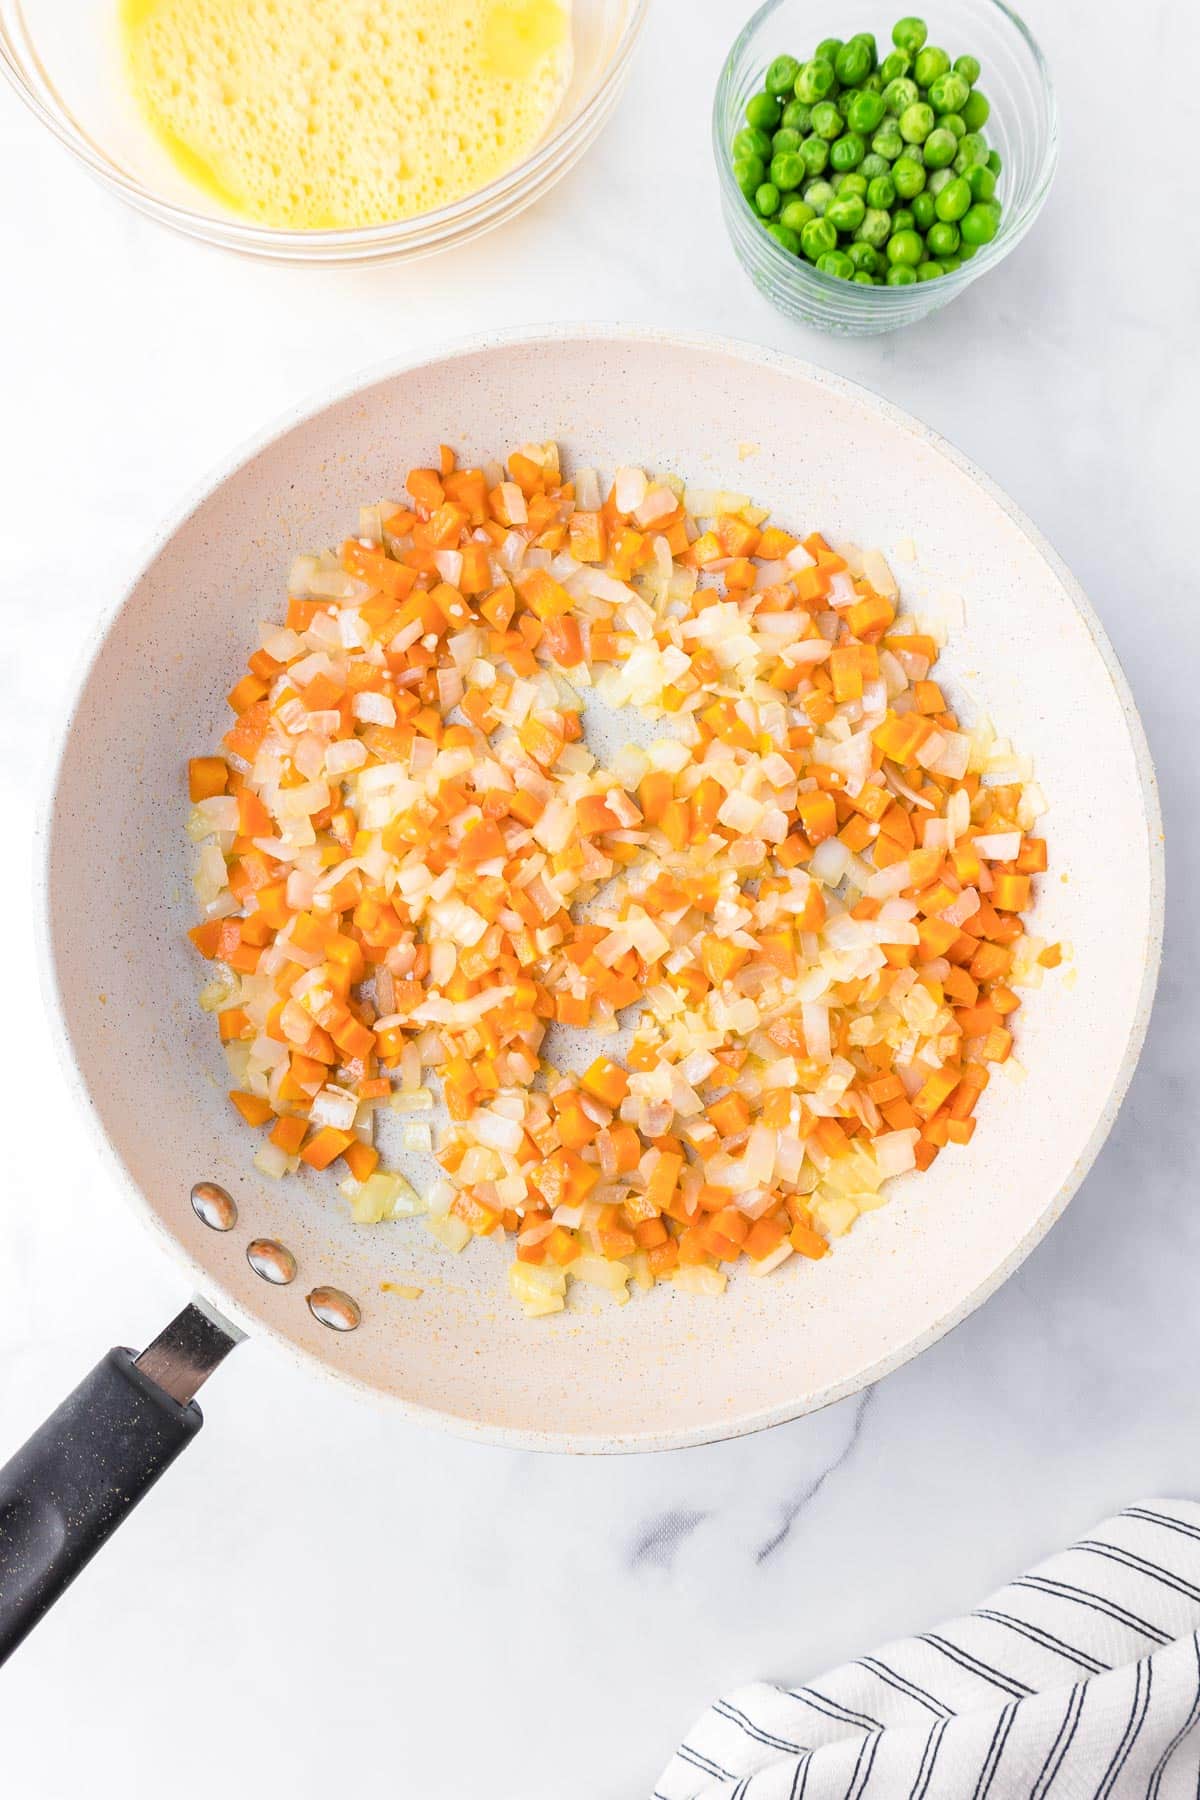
1037	1635
1137	1718
904	1684
1140	1565
1167	1520
800	1778
864	1763
1062	1743
1188	1725
1008	1684
833	1709
933	1744
1101	1603
703	1763
991	1761
727	1710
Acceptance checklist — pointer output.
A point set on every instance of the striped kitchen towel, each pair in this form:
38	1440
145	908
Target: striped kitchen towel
1082	1678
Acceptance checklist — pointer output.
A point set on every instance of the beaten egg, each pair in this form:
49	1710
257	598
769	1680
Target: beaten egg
318	114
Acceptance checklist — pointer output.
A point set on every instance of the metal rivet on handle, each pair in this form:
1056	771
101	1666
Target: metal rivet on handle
335	1309
214	1207
273	1261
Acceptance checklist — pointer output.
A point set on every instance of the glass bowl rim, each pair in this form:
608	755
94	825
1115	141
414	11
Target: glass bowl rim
425	230
793	269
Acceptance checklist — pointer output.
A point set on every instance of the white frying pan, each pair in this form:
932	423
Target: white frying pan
668	1369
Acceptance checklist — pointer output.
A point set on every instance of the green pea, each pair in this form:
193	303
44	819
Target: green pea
763	112
971	149
894	64
876	227
903	220
853	62
906	246
810	85
900	93
796	214
888	144
787	170
827	121
953	122
814	152
848	151
836	262
865	112
900	275
939	179
868	38
929	271
942	239
923	210
766	199
993	161
976	110
948	92
928	64
917	122
796	115
827	50
881	191
749	142
748	172
872	83
846	211
873	165
818	194
967	251
785	139
981	181
862	279
787	239
950	263
781	75
979	225
817	237
954	200
909	34
814	81
844	97
941	148
968	68
864	256
908	176
850	181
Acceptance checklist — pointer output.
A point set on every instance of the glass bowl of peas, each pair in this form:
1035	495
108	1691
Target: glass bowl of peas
867	179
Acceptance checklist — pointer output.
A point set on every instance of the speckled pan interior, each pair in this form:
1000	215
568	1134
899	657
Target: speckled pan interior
668	1369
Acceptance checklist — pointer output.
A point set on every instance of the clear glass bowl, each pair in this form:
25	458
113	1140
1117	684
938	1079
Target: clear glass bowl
1023	127
62	56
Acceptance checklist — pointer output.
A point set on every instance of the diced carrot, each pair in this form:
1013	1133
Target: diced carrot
606	1081
807	1241
326	1144
253	1107
818	816
289	1133
207	777
361	1159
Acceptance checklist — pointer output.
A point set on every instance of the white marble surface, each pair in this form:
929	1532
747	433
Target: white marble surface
321	1600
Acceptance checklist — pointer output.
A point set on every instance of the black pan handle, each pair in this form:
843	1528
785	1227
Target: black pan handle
86	1468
